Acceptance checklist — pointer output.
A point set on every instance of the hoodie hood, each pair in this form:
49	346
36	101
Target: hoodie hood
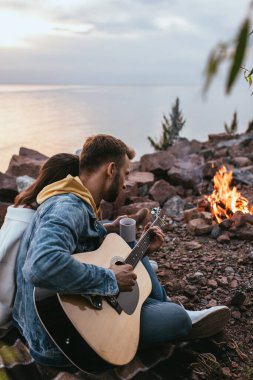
71	185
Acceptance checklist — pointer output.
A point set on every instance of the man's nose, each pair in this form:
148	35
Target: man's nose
124	186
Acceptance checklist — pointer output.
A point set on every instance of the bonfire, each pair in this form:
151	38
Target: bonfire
226	200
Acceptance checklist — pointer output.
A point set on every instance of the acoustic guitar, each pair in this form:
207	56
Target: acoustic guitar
96	338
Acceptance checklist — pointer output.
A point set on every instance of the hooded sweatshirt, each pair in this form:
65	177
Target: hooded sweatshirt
71	185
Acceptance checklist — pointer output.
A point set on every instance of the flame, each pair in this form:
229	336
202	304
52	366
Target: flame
224	200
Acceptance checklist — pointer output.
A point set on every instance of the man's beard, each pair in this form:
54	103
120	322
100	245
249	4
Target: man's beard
113	191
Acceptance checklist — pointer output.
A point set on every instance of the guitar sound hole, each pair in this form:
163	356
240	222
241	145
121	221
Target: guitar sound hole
119	263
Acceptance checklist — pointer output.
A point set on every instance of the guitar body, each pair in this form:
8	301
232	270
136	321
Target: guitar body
112	335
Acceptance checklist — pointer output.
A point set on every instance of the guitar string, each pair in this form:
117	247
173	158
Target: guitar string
139	250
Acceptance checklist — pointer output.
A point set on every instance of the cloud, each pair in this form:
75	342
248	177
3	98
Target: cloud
112	41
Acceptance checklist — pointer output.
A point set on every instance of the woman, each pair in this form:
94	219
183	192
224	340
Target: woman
19	216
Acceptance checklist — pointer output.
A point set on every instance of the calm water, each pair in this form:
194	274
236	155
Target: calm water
55	119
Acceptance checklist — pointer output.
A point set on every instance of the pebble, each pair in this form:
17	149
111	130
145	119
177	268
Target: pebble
229	270
250	255
234	284
212	283
236	314
212	302
222	281
193	245
238	298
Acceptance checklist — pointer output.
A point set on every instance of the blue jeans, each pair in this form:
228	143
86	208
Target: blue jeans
161	320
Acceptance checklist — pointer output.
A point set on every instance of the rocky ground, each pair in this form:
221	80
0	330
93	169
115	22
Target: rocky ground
202	263
199	272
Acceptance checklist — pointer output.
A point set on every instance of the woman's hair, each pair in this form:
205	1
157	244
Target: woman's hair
54	169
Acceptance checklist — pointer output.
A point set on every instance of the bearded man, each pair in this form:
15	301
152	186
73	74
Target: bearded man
67	222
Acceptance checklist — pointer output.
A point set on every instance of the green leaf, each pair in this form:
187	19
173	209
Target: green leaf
251	72
239	55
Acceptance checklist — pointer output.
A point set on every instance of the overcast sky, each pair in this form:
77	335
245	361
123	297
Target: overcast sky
113	41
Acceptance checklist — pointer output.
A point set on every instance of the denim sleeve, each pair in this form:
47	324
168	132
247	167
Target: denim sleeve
49	263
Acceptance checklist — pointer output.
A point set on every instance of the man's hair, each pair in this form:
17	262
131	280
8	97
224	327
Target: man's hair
100	149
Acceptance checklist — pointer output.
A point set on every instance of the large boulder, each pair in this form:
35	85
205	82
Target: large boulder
141	178
8	188
221	138
33	154
28	162
184	147
241	161
161	191
157	163
174	207
187	172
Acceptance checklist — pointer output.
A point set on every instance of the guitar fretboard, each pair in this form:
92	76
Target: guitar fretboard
141	247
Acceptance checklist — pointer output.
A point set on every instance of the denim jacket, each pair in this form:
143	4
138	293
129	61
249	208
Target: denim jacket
63	224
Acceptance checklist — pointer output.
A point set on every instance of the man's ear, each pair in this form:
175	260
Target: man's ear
111	167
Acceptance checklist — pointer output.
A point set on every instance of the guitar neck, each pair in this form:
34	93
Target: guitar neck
142	245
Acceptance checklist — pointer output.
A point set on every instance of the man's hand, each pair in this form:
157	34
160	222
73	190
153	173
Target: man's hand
125	276
157	238
114	226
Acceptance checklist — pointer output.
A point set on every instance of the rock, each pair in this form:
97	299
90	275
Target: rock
157	163
210	168
199	227
141	178
234	284
224	238
238	298
190	290
187	172
191	213
135	166
207	216
243	176
8	188
222	281
161	191
3	210
216	231
229	270
212	303
236	314
134	207
24	165
215	138
241	161
174	207
244	233
193	245
250	255
212	283
184	148
196	277
207	153
226	224
23	182
33	154
221	153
